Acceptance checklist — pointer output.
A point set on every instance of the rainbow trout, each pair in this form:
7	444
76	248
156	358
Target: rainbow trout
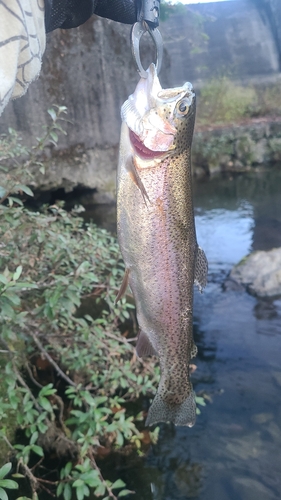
156	232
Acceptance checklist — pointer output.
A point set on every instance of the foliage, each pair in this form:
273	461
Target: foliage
268	101
18	159
223	101
50	263
6	484
212	152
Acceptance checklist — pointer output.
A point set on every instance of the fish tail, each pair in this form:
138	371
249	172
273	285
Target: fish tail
180	414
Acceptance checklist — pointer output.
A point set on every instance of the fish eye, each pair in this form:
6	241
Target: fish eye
183	106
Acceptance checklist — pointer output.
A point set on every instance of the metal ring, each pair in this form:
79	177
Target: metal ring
137	32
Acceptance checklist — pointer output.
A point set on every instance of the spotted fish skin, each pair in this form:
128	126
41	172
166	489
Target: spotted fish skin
157	237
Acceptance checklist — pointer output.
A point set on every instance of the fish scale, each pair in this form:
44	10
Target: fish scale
157	237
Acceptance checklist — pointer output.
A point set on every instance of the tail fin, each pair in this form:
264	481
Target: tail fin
182	414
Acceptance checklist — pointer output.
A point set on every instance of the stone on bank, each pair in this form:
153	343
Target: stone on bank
260	273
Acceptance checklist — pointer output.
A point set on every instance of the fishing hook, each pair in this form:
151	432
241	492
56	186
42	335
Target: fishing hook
147	21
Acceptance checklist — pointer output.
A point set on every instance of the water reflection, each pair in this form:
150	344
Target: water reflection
225	235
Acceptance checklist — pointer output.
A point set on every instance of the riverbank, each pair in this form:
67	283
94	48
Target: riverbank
239	147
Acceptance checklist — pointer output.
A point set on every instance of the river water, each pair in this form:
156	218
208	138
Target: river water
234	450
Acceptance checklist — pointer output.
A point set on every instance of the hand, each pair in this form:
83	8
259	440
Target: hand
71	13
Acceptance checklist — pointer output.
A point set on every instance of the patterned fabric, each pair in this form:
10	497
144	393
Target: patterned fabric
22	44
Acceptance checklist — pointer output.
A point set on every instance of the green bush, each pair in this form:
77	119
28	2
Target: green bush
66	378
222	101
51	261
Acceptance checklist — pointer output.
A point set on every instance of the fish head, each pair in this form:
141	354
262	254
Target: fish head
157	118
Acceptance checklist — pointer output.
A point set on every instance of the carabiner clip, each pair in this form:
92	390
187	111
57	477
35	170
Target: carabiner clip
137	32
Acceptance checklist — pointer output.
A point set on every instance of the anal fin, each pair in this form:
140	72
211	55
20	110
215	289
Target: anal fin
201	269
123	286
144	347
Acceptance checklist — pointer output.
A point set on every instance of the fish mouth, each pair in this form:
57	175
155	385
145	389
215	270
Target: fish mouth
141	150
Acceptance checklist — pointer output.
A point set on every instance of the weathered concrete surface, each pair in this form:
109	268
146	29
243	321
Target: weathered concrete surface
90	70
86	169
271	11
260	273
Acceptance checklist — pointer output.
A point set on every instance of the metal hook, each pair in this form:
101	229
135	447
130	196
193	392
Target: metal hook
137	32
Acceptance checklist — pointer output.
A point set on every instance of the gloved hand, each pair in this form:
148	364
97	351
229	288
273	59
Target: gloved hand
71	13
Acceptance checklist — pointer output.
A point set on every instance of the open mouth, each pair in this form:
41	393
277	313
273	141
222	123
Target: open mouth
141	149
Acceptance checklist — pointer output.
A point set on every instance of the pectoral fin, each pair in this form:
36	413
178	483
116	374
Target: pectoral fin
123	286
201	269
144	347
131	168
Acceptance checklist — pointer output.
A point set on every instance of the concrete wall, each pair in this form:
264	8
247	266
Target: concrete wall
90	70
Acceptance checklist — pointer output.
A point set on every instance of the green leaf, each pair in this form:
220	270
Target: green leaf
9	484
25	189
47	390
100	490
34	438
78	483
118	484
124	493
60	489
24	498
67	492
67	468
13	199
45	403
54	136
38	450
3	279
80	492
200	401
5	469
3	494
52	114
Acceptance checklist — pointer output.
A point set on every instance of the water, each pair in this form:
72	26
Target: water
233	451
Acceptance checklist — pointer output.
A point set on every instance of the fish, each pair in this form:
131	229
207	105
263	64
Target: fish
157	236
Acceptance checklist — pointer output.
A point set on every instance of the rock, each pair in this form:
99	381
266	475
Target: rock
260	273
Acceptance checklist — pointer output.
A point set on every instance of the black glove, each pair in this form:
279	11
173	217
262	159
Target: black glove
71	13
